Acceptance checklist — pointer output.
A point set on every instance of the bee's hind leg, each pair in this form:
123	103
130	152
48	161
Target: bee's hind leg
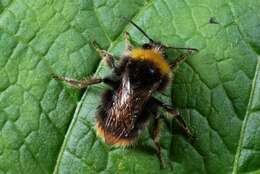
108	57
156	138
153	110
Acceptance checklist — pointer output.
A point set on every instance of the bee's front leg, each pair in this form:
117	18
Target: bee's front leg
128	45
78	83
174	66
108	57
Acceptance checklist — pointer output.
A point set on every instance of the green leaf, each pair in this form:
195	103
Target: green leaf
43	127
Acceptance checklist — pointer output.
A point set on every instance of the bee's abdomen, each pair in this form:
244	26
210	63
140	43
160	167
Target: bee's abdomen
108	134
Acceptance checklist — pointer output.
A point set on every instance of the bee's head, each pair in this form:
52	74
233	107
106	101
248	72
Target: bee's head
157	46
154	45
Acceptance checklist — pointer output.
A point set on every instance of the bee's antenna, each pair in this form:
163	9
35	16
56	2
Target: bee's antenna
140	29
180	48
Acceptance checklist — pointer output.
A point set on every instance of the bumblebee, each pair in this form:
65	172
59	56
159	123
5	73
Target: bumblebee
128	106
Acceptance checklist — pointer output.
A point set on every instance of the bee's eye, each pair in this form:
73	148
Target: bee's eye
147	46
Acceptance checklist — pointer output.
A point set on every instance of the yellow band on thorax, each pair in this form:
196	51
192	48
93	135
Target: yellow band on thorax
153	56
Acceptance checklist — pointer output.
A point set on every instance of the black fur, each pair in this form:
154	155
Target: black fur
140	72
142	75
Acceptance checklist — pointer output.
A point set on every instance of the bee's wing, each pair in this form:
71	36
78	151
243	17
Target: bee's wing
127	104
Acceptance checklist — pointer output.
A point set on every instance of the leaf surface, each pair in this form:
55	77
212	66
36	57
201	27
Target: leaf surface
43	127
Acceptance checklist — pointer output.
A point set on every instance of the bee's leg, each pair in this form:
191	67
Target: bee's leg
105	55
114	83
156	136
79	83
174	66
175	114
152	108
128	45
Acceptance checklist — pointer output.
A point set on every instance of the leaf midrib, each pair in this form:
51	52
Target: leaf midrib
242	132
257	70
